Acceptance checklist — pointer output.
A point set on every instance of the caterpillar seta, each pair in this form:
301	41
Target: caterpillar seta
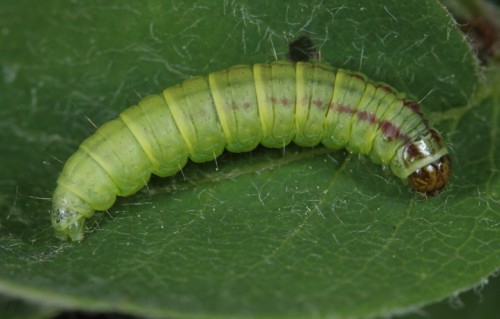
237	109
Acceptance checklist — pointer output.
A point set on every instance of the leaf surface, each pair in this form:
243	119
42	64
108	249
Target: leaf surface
270	233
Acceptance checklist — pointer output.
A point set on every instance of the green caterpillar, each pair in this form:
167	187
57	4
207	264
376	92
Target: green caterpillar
236	109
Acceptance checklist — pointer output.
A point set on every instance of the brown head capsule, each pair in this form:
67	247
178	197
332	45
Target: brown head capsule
424	162
432	178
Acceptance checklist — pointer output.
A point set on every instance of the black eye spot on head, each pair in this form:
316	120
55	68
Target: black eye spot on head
302	50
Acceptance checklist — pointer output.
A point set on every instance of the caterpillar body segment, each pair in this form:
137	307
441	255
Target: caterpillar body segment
315	83
236	109
236	104
276	91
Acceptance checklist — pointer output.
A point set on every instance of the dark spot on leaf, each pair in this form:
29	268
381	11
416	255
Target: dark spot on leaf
302	50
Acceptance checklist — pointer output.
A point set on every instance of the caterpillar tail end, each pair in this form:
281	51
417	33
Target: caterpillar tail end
68	214
68	223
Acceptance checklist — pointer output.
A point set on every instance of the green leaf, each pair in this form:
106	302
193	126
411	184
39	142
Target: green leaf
12	308
481	302
271	233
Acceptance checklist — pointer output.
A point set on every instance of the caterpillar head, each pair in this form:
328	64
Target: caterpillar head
425	163
431	178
